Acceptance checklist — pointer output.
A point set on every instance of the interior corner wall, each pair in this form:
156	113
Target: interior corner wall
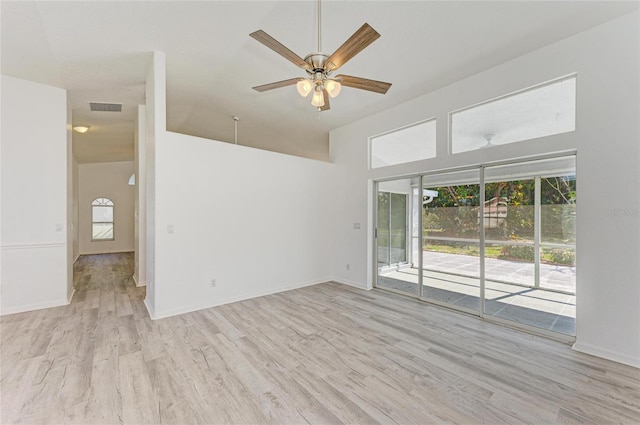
71	225
107	180
75	206
155	127
606	60
34	196
140	214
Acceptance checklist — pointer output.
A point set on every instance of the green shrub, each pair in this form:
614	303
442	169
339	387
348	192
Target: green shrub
517	252
561	256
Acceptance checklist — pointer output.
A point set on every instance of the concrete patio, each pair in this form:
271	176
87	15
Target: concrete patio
509	290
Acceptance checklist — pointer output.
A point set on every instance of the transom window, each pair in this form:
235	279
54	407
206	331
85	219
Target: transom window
545	110
411	143
102	219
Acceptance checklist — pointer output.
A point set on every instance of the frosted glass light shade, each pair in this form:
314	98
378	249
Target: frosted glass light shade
81	128
333	88
304	87
318	99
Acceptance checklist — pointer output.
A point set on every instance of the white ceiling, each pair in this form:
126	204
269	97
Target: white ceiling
100	51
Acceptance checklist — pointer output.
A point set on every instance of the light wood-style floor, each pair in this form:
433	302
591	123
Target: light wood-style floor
326	354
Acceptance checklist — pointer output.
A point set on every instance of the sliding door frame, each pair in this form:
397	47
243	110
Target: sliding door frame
408	203
482	239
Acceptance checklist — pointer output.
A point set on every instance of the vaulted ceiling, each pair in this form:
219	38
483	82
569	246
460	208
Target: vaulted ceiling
100	51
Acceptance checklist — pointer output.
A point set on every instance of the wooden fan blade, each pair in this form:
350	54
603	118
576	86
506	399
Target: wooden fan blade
326	101
279	48
354	45
277	84
363	83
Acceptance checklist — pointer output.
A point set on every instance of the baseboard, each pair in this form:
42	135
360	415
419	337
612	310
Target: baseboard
70	297
126	251
607	354
150	310
32	307
138	284
354	284
203	306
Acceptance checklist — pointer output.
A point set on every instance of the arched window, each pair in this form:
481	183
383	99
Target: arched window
102	219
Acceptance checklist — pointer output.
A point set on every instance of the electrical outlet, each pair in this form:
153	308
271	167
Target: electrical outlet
213	283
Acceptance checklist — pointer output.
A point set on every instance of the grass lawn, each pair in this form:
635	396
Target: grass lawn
489	251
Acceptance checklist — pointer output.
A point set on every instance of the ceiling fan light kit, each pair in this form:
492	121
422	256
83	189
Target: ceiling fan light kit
81	129
319	67
318	99
304	87
333	88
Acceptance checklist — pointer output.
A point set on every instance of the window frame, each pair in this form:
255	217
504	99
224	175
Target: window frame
102	201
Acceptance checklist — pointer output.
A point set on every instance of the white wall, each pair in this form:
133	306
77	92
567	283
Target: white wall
107	180
253	220
606	59
34	196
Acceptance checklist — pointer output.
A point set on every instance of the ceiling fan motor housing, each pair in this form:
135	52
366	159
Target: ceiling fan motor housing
318	69
317	62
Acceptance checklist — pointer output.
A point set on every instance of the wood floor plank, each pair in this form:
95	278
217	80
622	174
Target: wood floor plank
175	397
107	301
104	404
151	339
307	404
140	404
323	354
123	304
17	390
128	338
265	395
344	409
224	325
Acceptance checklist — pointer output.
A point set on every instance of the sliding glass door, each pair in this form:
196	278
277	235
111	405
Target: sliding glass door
451	239
497	241
530	243
393	224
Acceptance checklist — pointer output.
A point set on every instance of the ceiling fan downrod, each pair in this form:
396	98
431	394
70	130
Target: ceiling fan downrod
319	27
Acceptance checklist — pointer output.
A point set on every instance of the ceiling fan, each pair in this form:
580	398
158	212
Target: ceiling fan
319	66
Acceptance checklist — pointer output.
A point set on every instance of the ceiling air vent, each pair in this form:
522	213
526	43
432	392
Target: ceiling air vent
105	107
